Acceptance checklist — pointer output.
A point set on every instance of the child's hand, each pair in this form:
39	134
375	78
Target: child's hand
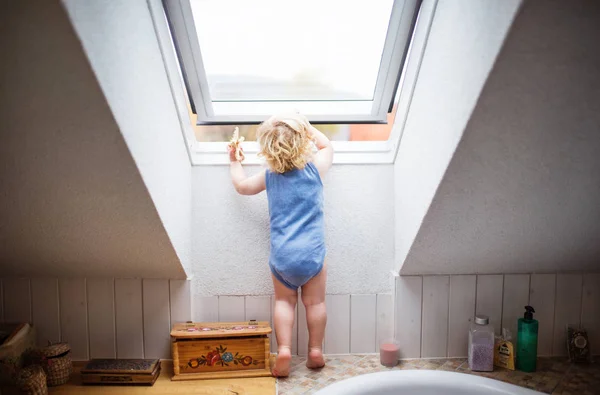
232	158
311	133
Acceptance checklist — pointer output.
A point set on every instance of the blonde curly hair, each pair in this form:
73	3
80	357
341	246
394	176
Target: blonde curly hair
285	142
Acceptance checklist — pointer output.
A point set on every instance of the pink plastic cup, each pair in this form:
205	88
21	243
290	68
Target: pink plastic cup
389	352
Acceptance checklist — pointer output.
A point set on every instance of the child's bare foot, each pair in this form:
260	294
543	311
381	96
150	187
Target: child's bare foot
315	359
282	363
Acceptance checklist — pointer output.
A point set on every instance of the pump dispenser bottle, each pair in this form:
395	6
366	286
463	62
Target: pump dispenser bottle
527	341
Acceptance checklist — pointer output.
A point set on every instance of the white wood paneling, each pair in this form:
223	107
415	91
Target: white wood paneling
231	308
44	310
101	317
73	316
17	300
302	329
385	319
434	336
181	301
567	310
157	322
2	300
129	318
542	296
363	323
294	329
408	299
258	308
273	334
516	297
590	310
206	308
337	331
460	313
489	299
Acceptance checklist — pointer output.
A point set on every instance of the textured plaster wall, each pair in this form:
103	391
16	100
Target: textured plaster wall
465	38
120	42
231	232
73	203
522	193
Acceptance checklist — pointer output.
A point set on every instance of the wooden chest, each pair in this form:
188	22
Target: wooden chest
121	371
211	350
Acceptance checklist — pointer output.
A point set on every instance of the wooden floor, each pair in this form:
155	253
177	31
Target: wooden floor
164	386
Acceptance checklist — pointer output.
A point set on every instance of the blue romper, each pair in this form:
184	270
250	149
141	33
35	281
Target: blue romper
297	233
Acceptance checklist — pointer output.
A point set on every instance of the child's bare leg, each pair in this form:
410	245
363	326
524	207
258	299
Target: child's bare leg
285	305
313	297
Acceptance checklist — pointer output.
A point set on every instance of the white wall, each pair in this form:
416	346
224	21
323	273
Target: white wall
522	192
464	41
122	48
359	199
433	313
99	317
73	202
231	232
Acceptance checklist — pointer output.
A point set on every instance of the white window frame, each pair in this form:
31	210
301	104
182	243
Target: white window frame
183	29
346	152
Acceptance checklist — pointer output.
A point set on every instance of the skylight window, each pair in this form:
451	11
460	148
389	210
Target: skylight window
335	61
279	50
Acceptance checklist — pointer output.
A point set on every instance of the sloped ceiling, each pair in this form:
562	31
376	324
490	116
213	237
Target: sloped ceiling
522	192
73	202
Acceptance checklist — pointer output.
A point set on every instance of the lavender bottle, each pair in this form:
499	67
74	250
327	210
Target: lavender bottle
481	345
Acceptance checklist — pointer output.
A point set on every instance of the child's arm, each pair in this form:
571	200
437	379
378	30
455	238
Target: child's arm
245	185
324	157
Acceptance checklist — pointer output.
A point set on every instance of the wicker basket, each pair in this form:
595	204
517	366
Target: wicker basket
19	339
57	364
32	381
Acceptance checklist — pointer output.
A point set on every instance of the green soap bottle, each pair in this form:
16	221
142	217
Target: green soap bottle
527	341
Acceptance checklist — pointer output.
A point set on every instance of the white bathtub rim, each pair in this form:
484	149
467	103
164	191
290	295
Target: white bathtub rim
431	378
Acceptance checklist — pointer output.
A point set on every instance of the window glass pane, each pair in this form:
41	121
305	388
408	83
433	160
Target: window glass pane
264	50
336	132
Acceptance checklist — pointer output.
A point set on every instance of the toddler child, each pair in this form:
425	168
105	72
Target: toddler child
295	196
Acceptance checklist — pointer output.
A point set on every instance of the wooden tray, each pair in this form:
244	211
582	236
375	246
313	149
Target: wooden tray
121	371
